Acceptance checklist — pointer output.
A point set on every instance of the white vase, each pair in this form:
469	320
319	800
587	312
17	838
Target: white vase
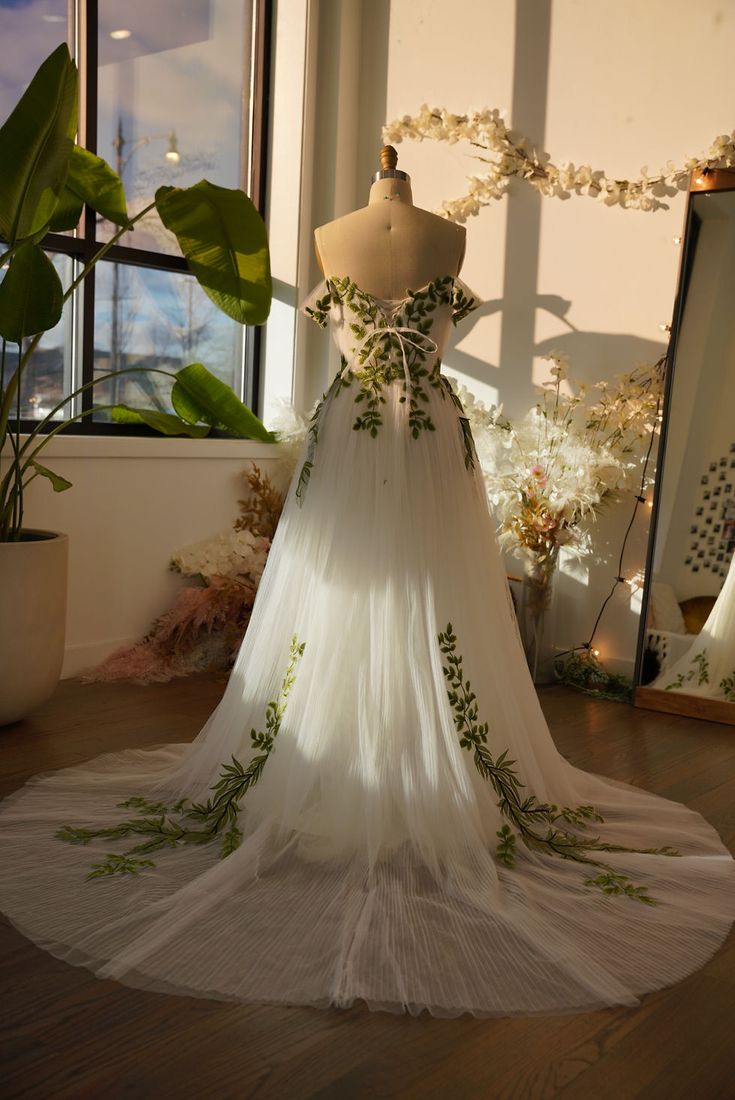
33	583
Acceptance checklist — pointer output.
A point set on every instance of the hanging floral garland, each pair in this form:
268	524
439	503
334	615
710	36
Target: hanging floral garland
514	155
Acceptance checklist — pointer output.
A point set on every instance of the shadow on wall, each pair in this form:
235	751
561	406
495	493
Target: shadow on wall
593	355
581	586
363	95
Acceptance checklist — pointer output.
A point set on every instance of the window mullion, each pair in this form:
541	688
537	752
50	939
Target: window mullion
85	295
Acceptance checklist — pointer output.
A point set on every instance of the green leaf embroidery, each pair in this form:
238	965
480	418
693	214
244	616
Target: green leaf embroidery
380	360
542	827
613	884
701	663
160	826
507	846
727	687
378	356
699	670
119	865
313	438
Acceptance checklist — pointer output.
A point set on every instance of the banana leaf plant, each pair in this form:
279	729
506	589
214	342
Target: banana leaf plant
45	181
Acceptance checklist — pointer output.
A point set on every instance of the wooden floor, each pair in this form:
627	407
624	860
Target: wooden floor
67	1034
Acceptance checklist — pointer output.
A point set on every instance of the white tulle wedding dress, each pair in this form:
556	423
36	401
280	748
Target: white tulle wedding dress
376	810
708	666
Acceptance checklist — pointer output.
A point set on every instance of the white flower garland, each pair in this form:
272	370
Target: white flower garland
514	155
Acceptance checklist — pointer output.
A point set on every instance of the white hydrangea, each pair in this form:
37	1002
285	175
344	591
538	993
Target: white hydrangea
230	554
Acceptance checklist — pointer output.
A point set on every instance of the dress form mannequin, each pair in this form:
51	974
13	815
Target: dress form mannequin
390	246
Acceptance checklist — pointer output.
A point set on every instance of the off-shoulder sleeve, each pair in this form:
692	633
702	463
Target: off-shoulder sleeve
317	304
464	300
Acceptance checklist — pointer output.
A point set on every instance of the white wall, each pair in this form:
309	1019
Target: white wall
133	503
609	85
617	86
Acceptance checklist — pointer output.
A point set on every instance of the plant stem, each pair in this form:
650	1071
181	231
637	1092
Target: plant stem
47	436
105	249
2	372
18	494
33	344
7	256
9	506
38	429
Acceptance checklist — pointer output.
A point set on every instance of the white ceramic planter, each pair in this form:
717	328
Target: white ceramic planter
33	583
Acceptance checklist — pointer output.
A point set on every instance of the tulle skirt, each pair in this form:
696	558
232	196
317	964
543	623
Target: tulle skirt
708	666
371	854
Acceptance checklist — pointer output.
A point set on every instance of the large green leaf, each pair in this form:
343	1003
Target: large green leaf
68	211
223	238
165	423
59	483
198	395
35	146
31	295
93	181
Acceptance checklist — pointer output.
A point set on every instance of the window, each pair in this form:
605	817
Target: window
170	92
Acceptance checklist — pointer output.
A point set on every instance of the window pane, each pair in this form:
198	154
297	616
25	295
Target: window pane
174	92
150	318
29	31
48	374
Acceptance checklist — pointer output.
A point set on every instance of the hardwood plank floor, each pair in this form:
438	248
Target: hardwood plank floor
69	1036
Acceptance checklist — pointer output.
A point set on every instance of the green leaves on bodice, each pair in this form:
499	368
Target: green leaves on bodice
388	348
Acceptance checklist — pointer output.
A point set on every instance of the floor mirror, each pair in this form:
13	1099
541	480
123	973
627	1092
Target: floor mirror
686	650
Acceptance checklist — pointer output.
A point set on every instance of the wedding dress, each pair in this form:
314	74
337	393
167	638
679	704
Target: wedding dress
708	666
375	811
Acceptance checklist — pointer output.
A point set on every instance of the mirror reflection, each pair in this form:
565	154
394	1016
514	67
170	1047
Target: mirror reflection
688	645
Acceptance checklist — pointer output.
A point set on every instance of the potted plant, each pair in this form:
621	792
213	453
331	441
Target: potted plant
45	181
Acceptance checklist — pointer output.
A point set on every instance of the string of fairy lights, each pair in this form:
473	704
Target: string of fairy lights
586	649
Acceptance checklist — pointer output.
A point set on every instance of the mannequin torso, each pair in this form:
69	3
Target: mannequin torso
390	246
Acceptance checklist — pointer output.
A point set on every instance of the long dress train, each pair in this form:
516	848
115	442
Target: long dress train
376	809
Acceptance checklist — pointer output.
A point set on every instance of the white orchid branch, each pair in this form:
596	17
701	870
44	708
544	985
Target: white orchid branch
513	155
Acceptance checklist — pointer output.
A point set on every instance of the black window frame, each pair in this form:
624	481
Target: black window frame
84	245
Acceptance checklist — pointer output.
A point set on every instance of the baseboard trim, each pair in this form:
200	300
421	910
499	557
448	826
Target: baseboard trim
86	655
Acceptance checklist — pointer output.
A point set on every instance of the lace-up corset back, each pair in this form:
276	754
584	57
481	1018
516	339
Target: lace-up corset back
402	338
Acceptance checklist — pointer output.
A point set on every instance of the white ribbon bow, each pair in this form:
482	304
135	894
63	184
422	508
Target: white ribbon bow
416	339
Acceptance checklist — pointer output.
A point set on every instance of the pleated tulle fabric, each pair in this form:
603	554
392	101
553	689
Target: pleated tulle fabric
367	867
708	666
